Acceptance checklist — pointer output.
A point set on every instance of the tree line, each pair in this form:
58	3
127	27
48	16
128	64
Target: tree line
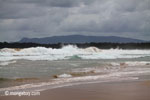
106	45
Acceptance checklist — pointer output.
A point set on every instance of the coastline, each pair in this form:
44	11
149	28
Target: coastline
128	90
60	66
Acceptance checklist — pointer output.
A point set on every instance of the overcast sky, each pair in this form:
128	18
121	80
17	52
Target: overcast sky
44	18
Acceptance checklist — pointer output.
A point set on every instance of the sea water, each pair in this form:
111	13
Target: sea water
44	68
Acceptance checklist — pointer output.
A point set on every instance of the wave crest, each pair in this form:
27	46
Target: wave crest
67	52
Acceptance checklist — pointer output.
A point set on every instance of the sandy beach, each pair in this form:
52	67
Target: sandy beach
139	90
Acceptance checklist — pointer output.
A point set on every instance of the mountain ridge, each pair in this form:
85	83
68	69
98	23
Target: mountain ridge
80	39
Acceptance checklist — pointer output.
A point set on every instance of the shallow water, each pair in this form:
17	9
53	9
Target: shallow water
26	71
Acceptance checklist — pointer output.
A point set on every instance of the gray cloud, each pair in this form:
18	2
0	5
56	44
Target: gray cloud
42	18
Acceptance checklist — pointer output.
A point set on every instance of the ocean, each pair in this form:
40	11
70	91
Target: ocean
40	68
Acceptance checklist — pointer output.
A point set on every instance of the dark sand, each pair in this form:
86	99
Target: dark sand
99	91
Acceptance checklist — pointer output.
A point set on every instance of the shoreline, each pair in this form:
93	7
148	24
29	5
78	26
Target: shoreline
128	90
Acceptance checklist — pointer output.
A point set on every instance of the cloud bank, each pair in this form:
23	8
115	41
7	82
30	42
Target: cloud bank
43	18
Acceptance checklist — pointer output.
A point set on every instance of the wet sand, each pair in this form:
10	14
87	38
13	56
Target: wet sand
139	90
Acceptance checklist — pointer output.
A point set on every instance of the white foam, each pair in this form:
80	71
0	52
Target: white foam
64	76
60	82
64	81
42	53
130	63
7	63
115	67
137	63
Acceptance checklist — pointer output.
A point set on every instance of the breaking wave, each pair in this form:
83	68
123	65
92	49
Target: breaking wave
69	52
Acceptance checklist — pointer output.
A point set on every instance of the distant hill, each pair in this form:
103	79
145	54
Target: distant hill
80	39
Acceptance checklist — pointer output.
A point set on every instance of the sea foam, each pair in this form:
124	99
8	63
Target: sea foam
69	52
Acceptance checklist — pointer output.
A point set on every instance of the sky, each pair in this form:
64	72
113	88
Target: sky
45	18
